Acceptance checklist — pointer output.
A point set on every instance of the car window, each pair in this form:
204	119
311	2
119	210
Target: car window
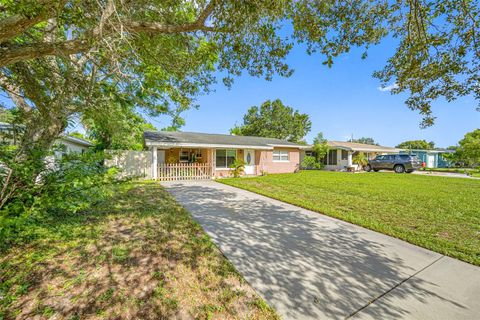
404	157
390	157
379	157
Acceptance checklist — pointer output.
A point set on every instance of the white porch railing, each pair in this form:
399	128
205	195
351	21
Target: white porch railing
184	171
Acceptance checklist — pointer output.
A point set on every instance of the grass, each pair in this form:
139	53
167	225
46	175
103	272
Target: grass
438	213
138	255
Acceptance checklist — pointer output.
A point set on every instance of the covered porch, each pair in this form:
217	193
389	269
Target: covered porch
198	163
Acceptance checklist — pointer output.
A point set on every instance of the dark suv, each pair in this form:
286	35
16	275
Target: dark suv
400	163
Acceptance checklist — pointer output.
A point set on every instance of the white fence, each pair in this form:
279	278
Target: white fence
137	164
184	171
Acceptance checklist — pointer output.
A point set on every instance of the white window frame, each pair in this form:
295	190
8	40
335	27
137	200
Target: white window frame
180	156
281	155
226	152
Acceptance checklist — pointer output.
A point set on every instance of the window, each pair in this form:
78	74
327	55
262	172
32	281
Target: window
390	157
280	155
198	154
344	155
184	155
332	157
225	157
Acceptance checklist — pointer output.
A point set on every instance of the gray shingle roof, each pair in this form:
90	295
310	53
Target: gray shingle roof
354	146
183	138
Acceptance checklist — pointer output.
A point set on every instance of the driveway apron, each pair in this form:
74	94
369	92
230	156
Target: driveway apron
310	266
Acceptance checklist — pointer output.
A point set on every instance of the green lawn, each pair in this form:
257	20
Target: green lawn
138	255
438	213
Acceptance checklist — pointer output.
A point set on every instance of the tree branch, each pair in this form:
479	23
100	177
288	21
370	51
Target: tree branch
14	93
14	54
15	25
10	55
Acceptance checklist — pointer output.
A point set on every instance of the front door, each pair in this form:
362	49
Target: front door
430	161
249	158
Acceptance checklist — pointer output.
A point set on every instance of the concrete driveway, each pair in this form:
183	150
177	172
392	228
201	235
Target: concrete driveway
309	266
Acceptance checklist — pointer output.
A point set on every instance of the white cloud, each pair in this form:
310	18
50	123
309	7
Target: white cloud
388	88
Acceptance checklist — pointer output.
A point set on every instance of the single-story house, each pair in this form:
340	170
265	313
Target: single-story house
216	152
341	153
432	158
74	144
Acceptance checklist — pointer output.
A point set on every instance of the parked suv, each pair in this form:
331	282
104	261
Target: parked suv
400	163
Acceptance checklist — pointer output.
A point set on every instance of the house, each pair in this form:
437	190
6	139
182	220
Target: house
432	158
73	144
341	153
10	134
217	152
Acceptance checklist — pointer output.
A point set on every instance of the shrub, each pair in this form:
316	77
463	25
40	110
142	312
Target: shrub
311	163
360	159
33	190
238	167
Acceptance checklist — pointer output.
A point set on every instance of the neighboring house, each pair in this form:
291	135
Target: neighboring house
432	158
10	134
340	154
74	144
218	152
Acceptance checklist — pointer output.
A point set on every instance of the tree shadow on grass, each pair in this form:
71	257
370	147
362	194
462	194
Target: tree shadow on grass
304	264
122	259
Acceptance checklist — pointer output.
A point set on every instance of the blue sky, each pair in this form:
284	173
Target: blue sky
340	101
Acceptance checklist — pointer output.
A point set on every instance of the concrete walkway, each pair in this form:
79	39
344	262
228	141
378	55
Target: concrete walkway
309	266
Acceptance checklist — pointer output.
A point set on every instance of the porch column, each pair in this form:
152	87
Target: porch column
349	159
154	163
212	160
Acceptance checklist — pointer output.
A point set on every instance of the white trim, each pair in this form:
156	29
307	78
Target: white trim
284	161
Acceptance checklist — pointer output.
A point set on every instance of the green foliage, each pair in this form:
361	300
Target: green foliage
274	120
121	129
469	148
320	147
238	168
77	134
416	145
361	159
35	190
436	55
310	163
364	140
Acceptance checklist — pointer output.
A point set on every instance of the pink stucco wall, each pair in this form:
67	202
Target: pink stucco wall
264	161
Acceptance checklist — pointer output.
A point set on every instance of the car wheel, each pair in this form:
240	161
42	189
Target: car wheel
399	168
368	168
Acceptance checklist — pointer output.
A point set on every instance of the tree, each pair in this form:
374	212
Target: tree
469	148
437	54
416	145
364	140
274	120
320	147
